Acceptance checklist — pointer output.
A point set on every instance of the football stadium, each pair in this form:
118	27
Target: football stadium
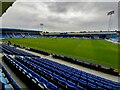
39	59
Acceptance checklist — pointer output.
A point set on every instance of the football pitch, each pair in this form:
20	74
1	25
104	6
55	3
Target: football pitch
95	51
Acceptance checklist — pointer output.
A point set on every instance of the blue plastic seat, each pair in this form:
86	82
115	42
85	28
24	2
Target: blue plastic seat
92	86
107	87
3	80
59	72
7	87
62	82
83	77
70	87
91	81
1	75
10	79
52	86
99	84
116	87
77	75
44	81
74	79
71	83
82	82
80	88
15	86
63	79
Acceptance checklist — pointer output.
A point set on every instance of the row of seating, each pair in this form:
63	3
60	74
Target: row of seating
65	77
32	75
34	35
3	35
18	35
13	51
69	70
7	80
3	82
114	40
74	74
94	66
69	85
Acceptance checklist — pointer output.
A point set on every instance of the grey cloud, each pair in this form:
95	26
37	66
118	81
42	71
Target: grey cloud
58	7
63	7
60	16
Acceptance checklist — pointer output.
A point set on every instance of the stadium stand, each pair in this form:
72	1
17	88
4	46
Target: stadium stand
4	35
43	74
12	50
7	81
114	40
85	35
18	33
90	65
52	75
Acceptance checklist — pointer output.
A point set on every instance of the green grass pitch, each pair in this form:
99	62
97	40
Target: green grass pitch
96	51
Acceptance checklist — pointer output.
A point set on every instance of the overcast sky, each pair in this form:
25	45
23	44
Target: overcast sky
61	16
